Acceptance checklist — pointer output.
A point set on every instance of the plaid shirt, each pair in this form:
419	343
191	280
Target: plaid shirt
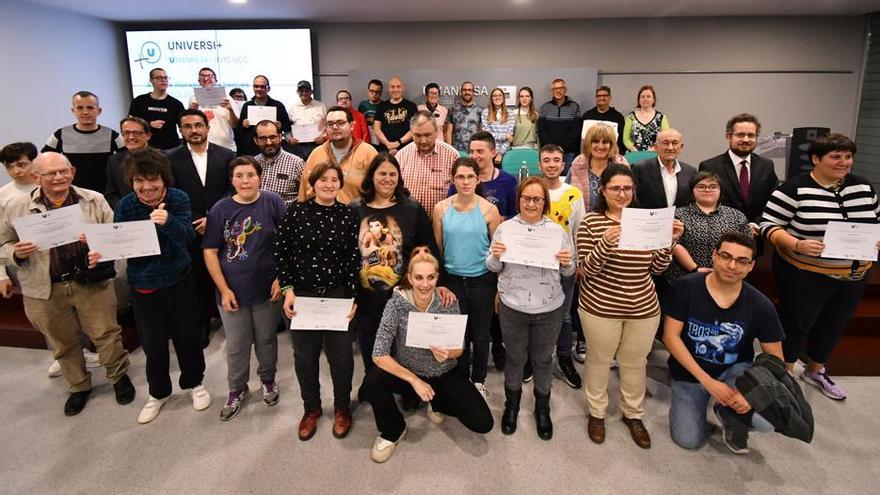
282	175
427	176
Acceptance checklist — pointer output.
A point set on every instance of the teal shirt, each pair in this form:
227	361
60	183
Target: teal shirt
465	242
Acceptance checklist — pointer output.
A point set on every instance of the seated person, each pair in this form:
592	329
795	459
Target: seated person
432	374
711	322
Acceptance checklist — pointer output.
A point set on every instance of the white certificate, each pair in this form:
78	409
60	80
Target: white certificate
119	241
236	107
305	133
321	313
210	97
588	123
851	241
425	330
642	229
257	113
51	228
531	245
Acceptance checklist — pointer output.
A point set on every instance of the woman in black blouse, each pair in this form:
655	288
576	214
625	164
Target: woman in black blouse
705	221
316	255
391	225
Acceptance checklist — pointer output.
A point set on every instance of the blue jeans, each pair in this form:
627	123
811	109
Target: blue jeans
563	343
567	158
687	413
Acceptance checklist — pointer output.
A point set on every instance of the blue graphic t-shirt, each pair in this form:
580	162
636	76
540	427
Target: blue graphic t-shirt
718	338
244	235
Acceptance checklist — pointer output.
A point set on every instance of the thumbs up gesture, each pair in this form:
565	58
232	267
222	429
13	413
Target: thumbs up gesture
160	215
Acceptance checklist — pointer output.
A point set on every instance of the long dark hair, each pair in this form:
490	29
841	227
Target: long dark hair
612	170
368	189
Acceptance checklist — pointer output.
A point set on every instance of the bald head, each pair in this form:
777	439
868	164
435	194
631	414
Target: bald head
395	89
50	159
668	146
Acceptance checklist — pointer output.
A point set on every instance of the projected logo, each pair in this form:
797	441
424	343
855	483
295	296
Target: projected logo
150	53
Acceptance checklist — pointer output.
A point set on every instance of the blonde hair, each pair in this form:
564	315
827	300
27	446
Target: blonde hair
419	254
596	134
492	110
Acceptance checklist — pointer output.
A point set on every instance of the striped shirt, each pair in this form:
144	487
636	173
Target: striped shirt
499	129
427	176
803	208
618	282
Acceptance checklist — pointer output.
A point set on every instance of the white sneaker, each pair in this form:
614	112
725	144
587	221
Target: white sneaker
201	398
384	449
55	369
481	388
92	360
434	416
151	409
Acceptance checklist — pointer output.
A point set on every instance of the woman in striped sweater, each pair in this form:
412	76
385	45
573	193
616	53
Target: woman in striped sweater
818	295
618	305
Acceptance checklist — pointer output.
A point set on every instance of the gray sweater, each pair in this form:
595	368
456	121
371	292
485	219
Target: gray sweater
531	289
392	334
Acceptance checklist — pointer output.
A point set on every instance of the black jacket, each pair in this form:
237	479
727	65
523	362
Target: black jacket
775	395
611	115
186	178
762	183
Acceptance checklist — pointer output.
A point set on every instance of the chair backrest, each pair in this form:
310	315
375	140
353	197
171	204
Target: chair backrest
463	154
635	156
513	159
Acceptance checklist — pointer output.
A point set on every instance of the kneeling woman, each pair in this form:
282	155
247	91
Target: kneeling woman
432	374
163	291
531	309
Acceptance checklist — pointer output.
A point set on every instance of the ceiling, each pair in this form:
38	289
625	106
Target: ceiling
447	10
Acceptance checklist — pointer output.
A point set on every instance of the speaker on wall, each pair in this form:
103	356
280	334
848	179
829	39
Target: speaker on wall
798	152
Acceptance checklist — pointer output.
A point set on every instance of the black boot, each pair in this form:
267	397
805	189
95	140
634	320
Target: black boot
542	416
511	410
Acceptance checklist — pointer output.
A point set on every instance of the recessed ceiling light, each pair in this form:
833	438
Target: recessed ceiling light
237	1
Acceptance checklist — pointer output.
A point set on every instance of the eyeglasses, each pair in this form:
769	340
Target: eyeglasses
666	144
206	75
267	139
602	96
558	88
161	78
618	190
535	200
58	173
189	127
133	133
726	257
465	178
261	86
743	135
704	187
336	123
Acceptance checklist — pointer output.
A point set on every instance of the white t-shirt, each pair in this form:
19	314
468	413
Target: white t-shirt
220	132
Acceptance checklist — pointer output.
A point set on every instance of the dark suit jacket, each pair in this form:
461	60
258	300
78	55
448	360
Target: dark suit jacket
186	178
762	183
649	184
116	186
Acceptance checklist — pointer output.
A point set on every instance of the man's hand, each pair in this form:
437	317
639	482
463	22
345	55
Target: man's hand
24	249
157	124
739	403
245	123
93	258
159	216
6	288
722	392
199	225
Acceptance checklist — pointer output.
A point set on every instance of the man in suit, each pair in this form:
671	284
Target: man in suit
664	181
747	179
201	170
136	135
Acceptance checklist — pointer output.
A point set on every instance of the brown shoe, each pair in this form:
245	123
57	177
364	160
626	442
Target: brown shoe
639	432
308	424
341	422
596	429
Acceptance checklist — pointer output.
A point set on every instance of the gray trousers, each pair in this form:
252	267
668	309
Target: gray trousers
529	335
254	325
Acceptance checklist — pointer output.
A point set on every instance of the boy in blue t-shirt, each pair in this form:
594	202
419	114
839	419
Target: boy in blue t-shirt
711	322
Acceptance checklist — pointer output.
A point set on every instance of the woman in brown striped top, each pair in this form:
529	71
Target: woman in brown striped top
618	306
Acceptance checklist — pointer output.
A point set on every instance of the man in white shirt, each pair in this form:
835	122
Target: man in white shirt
306	112
221	118
17	158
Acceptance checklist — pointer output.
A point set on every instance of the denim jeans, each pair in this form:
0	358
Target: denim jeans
563	342
476	298
687	413
529	336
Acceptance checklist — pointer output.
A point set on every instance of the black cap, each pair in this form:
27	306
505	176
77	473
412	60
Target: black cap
304	84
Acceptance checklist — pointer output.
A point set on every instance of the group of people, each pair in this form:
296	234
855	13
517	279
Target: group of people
420	222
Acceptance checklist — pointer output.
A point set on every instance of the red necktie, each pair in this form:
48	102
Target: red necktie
744	180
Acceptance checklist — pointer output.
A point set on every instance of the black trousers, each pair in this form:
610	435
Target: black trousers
170	312
814	310
307	345
454	395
